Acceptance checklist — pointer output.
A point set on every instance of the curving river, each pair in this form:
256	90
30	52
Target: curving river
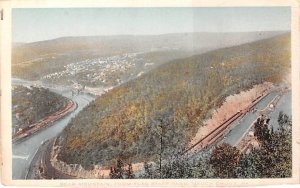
23	152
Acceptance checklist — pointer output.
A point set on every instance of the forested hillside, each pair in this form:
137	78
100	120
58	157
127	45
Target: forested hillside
169	103
106	61
30	105
225	161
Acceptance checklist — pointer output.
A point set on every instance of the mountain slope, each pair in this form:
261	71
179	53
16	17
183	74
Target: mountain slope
64	59
29	105
125	122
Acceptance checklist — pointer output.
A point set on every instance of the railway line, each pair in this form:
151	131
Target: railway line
28	145
203	143
36	127
223	128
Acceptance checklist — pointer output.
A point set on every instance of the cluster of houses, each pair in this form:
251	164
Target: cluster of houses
98	70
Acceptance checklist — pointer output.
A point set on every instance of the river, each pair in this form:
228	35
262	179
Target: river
23	152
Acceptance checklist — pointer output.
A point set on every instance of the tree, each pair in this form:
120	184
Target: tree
112	173
129	172
261	130
162	123
282	118
177	168
274	158
224	160
148	171
118	171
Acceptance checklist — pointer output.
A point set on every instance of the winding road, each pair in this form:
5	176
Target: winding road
24	152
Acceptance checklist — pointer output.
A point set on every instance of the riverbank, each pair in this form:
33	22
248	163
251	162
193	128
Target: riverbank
24	152
44	123
45	165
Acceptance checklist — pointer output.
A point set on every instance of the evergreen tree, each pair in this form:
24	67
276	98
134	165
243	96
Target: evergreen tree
118	171
148	171
274	158
261	130
224	160
112	173
129	172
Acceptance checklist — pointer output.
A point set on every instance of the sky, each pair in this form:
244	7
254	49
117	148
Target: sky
37	24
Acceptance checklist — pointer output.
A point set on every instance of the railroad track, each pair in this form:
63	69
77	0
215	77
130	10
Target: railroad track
36	127
222	129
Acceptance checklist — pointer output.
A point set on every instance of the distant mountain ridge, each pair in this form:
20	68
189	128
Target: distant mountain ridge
47	60
93	37
139	42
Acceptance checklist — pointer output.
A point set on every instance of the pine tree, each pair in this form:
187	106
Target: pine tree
148	171
117	172
112	173
224	159
274	158
129	172
119	169
261	130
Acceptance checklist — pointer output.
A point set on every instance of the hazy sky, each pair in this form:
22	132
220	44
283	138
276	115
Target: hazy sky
41	24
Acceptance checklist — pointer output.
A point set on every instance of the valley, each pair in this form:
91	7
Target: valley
126	122
146	95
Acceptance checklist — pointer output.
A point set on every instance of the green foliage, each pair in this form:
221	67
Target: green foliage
129	172
271	160
283	119
224	160
179	168
118	171
124	122
33	104
274	157
261	130
121	172
150	171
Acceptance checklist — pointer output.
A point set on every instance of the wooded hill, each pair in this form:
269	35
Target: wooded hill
170	101
29	105
34	60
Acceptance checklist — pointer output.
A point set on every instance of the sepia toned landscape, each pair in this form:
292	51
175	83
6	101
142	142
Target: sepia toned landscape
178	104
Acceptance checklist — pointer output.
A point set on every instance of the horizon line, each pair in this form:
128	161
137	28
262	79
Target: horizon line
141	35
